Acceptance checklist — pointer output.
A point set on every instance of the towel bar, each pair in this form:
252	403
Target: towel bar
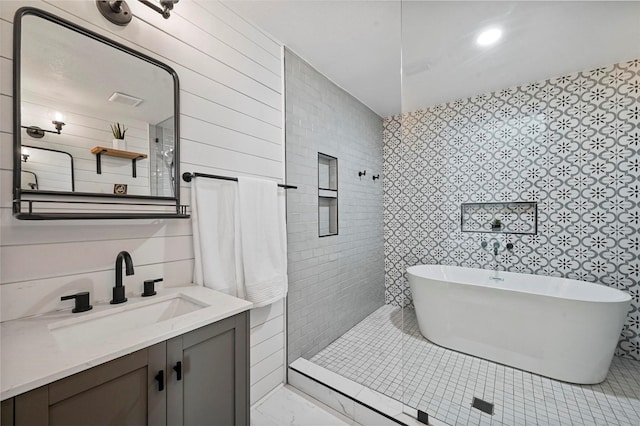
187	176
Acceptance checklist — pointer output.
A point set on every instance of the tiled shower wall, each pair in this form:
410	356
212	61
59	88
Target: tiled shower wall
570	143
334	281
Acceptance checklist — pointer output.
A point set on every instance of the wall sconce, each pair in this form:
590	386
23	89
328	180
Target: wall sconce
38	133
118	12
167	7
24	152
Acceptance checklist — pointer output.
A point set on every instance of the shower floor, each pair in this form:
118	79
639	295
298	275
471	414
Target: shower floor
443	382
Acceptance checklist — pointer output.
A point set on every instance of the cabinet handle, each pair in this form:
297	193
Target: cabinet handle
178	369
160	378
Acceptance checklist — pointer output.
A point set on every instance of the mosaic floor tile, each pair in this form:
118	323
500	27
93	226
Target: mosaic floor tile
443	382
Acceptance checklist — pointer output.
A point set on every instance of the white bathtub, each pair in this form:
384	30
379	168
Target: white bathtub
559	328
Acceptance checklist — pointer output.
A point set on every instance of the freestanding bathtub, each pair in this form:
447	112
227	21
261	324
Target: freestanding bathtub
556	327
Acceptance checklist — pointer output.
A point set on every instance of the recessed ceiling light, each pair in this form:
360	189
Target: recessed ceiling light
489	36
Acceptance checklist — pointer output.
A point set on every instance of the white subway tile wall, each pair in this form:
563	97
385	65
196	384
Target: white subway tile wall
334	281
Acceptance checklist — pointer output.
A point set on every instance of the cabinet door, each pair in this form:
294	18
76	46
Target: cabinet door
6	412
209	375
120	392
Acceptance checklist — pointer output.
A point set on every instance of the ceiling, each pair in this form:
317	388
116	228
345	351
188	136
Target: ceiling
72	73
359	44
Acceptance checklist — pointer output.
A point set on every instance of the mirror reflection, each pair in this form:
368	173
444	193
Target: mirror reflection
46	169
75	91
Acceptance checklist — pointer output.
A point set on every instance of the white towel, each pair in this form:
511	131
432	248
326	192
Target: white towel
264	241
216	236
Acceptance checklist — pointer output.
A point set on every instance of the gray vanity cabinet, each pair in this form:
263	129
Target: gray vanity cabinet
204	381
212	364
119	392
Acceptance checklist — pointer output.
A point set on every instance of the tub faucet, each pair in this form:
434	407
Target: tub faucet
496	246
118	290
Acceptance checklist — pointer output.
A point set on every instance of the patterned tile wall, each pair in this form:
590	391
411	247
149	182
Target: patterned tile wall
570	143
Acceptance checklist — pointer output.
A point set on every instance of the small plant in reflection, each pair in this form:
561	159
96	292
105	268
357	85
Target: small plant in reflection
118	130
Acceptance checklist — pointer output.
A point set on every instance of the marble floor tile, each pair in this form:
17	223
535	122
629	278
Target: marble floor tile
288	406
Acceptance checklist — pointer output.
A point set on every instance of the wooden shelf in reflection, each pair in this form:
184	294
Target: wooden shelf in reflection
118	153
99	151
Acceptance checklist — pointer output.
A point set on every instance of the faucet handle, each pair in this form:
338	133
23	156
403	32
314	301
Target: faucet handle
484	244
149	287
496	245
82	301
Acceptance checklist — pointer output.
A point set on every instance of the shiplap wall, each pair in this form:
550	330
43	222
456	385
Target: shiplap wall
231	123
82	132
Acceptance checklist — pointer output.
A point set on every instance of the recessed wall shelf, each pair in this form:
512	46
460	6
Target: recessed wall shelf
327	195
515	217
99	151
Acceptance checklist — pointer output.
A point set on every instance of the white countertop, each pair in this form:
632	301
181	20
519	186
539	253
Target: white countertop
33	357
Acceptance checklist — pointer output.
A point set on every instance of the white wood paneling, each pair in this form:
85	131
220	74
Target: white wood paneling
192	105
267	349
80	134
266	384
266	366
255	35
59	259
6	76
231	97
267	330
199	130
193	36
6	37
6	151
44	294
226	33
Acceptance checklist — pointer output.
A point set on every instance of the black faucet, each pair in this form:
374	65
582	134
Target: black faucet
118	290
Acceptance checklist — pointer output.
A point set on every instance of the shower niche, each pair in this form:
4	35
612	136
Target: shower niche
327	195
514	217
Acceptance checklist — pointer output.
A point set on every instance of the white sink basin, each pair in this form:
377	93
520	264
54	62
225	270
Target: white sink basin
113	321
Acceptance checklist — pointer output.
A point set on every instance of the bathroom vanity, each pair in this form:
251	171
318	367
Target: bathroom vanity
182	359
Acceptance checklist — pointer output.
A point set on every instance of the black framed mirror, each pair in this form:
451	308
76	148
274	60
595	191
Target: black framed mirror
112	110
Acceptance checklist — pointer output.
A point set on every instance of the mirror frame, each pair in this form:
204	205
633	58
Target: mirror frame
73	179
178	210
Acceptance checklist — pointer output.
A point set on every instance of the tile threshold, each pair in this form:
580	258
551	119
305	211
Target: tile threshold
383	409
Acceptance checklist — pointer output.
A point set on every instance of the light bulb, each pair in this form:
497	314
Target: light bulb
489	36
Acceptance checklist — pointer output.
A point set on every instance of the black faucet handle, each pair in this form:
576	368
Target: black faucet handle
149	287
82	301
